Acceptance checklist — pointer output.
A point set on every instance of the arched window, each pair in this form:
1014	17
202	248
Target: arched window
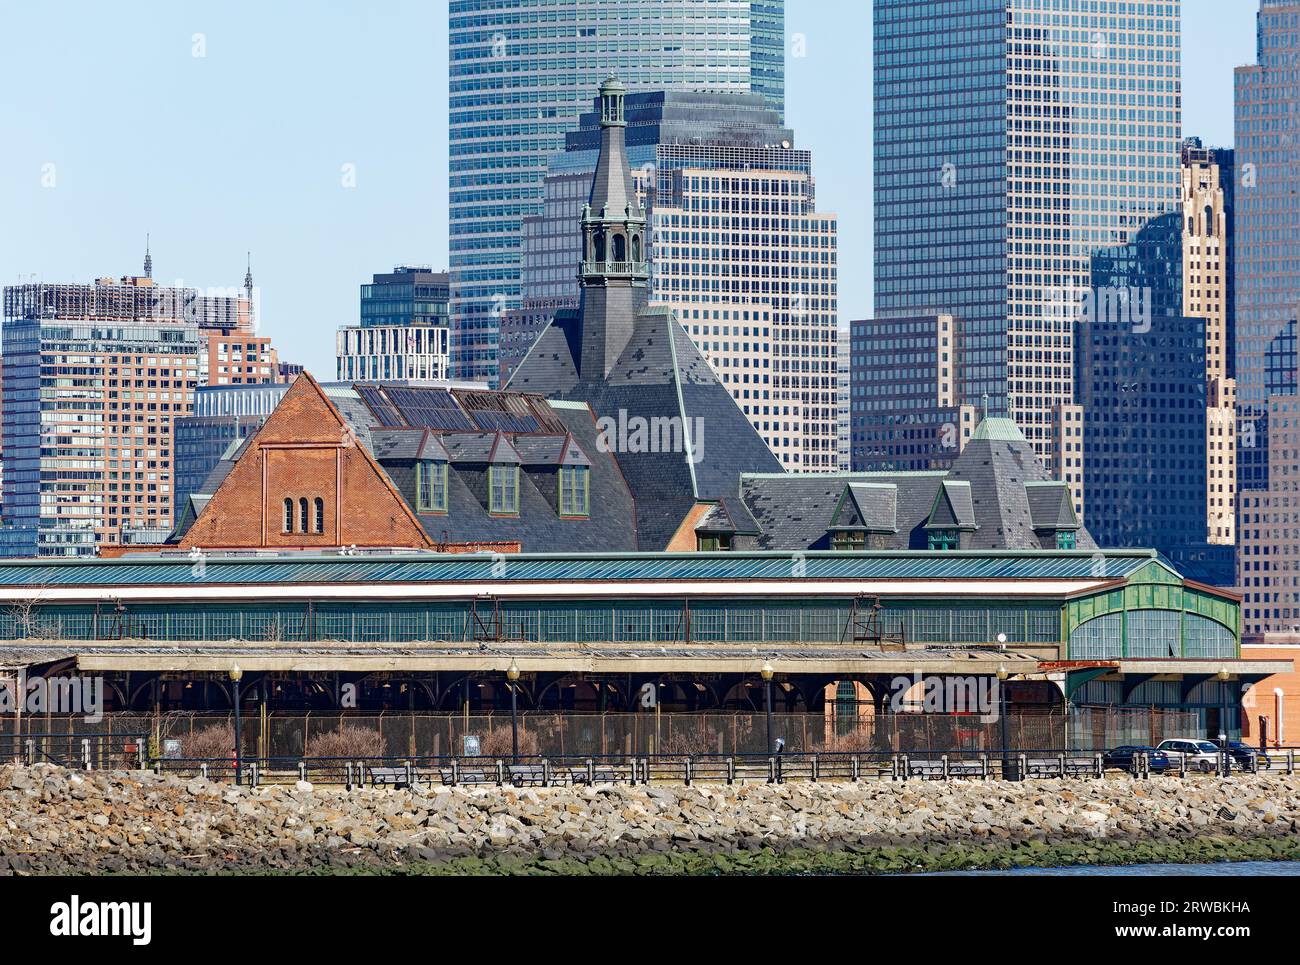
600	246
636	248
620	248
303	521
288	515
320	515
1209	220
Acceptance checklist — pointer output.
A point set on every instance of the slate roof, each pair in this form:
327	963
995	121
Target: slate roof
997	493
538	527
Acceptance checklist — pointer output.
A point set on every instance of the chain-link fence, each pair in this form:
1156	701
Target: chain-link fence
604	735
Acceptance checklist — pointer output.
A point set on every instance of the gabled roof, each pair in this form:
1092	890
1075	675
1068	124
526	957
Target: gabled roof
1050	505
867	506
953	507
728	515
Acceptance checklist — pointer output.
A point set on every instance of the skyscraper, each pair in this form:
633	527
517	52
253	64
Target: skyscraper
1008	153
521	71
1266	224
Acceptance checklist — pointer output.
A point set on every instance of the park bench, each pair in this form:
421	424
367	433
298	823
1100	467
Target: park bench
390	776
474	774
530	775
598	774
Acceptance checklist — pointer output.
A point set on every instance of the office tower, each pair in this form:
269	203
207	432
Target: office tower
738	250
1014	140
1266	223
904	413
521	71
1208	282
404	330
843	401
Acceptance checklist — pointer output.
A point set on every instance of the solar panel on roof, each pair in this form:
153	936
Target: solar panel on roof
383	410
430	408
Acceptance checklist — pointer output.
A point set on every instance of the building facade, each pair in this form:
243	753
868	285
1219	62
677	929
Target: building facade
904	413
1208	293
521	71
1005	163
405	328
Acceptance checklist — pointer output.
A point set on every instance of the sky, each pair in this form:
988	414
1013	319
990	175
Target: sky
219	127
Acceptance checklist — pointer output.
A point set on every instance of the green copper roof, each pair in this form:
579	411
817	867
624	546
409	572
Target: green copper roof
999	428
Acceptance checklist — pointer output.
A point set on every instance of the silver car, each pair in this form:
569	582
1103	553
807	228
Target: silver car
1200	755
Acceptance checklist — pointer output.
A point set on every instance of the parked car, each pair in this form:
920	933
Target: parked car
1122	757
1242	754
1199	755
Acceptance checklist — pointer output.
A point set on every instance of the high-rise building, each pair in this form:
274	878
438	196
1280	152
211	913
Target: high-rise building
1006	158
738	250
1208	192
521	71
95	377
904	409
404	331
1266	222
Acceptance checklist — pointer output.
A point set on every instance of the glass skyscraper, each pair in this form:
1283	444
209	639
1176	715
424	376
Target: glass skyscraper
522	71
1016	143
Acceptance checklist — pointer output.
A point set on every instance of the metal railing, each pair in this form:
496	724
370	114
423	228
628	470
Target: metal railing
125	752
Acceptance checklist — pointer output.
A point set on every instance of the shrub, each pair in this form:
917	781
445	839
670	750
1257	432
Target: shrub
215	741
686	741
350	740
496	743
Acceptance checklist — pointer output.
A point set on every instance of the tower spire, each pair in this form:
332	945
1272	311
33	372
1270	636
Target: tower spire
148	258
248	277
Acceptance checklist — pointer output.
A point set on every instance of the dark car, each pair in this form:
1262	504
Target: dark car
1122	757
1242	754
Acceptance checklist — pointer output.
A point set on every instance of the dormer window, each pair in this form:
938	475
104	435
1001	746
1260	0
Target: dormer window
944	539
852	539
1065	539
430	486
715	543
503	490
575	491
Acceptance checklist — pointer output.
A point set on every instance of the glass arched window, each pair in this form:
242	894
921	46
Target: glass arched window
600	246
319	521
636	247
1209	220
303	521
620	248
288	515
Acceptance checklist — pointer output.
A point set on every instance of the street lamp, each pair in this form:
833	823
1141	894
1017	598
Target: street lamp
1009	770
235	675
1224	677
512	674
768	673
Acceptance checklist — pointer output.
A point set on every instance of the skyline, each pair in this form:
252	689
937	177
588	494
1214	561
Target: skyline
260	121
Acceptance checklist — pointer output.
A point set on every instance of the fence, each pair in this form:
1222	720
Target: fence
604	735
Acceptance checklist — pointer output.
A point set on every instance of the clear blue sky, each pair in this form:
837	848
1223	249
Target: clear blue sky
243	147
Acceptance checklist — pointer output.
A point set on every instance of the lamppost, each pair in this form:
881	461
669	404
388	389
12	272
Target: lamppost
235	675
1009	770
1224	677
512	674
768	673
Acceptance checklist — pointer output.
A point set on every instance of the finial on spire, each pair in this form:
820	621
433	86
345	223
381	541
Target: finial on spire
248	276
984	406
612	93
148	258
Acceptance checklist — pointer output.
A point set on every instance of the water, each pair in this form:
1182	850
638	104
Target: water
1223	869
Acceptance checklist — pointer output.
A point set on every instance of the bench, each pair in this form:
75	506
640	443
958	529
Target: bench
466	775
599	774
391	776
1058	767
530	775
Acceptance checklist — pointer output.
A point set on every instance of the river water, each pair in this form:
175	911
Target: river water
1224	869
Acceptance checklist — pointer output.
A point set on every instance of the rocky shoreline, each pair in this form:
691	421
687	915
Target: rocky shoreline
56	821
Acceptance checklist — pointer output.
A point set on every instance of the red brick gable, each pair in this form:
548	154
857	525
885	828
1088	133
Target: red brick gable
306	453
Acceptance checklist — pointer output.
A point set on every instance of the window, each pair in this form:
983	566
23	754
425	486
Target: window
575	485
503	490
320	515
303	521
431	487
1065	539
716	543
288	515
944	539
849	540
